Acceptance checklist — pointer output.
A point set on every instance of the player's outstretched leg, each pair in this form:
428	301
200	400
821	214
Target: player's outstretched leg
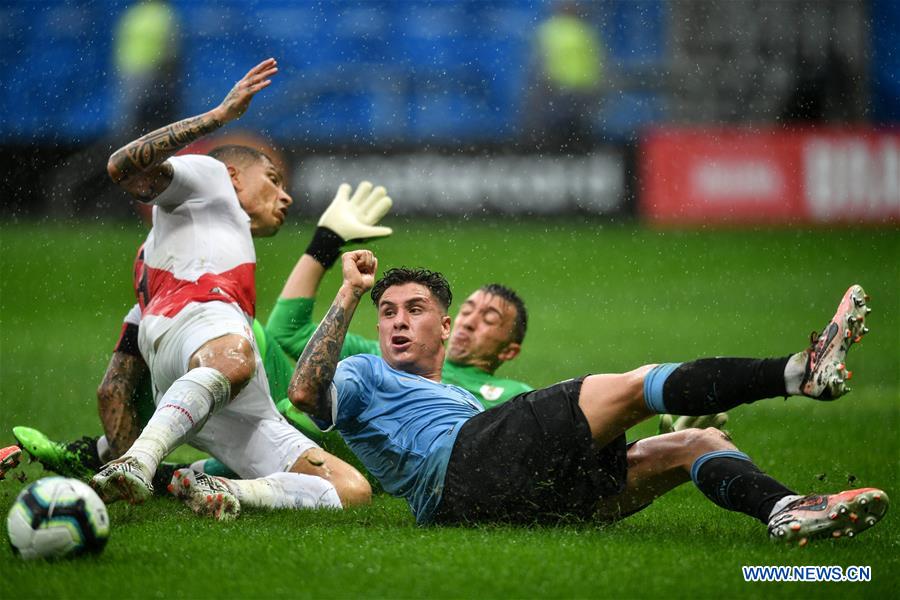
9	459
122	479
78	459
219	497
711	385
824	373
205	495
182	410
823	516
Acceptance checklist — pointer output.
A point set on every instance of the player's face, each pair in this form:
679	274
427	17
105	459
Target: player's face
412	329
260	189
482	332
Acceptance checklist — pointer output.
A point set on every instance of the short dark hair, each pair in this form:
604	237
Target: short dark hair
521	322
434	281
236	153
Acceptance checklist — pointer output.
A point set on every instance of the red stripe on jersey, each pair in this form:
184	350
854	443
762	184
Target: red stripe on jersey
168	294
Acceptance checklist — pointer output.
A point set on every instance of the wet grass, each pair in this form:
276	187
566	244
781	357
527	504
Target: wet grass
601	298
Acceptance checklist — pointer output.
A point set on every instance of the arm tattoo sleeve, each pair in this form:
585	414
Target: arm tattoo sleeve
315	369
115	400
154	148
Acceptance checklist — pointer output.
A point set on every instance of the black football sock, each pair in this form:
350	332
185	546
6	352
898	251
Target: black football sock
731	480
711	385
85	450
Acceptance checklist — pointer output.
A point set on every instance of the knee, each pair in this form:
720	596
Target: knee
637	377
242	361
232	355
352	488
685	446
706	440
355	492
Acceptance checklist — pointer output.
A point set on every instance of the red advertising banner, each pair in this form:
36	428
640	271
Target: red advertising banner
735	176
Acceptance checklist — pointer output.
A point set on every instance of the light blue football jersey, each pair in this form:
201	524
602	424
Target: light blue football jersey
401	426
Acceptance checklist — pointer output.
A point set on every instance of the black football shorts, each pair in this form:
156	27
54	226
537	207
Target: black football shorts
530	460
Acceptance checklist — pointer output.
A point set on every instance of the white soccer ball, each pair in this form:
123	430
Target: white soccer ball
55	517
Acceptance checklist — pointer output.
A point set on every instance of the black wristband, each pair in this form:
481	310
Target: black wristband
325	246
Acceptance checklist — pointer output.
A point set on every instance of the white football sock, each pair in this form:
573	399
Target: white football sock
182	410
793	373
285	490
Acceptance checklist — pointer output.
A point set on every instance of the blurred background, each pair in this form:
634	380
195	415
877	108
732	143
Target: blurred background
679	112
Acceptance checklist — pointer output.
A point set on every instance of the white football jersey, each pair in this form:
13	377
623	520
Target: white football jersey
200	248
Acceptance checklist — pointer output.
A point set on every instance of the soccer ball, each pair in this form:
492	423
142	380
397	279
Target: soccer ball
55	517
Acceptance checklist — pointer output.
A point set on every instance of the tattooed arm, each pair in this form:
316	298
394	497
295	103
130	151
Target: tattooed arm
309	386
141	168
115	403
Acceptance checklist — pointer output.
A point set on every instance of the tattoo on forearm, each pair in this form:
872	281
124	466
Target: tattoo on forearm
116	406
155	147
317	364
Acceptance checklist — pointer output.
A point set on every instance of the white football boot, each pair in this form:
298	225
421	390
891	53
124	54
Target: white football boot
825	375
122	479
828	516
205	495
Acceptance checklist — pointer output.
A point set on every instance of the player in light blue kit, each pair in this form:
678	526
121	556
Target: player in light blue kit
559	453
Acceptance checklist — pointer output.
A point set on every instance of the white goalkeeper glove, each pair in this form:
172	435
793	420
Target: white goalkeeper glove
669	424
355	217
349	218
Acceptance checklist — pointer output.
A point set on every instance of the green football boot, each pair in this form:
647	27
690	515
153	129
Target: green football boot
77	459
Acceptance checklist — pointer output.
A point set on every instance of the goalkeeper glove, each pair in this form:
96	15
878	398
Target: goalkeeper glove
669	424
349	218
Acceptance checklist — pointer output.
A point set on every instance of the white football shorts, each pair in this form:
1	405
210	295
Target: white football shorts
247	434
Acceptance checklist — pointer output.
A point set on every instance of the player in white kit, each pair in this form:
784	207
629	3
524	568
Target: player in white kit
198	304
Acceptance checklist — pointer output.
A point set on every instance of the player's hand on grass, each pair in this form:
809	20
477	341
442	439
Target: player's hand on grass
359	268
670	424
355	217
238	99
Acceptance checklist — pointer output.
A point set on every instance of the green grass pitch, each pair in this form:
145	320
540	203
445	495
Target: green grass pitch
602	298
